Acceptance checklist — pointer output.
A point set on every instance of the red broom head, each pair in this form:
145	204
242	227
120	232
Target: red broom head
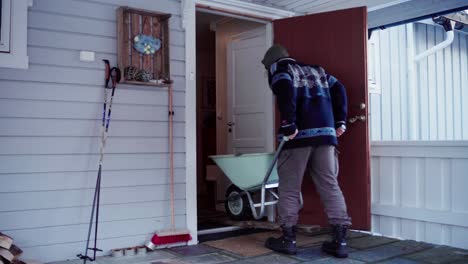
170	239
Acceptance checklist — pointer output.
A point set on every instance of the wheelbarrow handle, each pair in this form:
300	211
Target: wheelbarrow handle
275	159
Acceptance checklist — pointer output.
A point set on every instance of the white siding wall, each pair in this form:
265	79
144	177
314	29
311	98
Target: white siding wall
441	92
418	187
419	191
49	124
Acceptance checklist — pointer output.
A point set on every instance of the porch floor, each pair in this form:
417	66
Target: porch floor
249	249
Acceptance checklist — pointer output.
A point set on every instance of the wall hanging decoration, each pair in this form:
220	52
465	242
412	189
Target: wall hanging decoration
143	46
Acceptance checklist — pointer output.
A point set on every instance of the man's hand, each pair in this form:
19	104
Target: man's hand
340	131
293	135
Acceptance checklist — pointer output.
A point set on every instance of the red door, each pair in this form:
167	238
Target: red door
337	41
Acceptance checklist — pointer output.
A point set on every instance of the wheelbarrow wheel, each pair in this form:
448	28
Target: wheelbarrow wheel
236	204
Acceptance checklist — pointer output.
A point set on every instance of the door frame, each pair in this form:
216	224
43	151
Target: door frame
232	8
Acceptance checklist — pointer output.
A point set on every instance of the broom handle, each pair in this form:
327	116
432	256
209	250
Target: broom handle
171	155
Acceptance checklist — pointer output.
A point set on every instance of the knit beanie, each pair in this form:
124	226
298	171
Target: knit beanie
273	54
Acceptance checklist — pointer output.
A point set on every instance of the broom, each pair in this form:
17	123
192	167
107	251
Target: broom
173	235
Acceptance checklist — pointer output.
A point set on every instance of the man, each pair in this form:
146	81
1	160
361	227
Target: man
313	108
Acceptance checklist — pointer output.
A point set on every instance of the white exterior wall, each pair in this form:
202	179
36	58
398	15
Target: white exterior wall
419	191
49	136
418	187
441	92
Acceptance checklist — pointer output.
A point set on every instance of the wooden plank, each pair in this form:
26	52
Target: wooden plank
88	111
72	24
395	78
157	65
421	214
422	68
409	229
162	85
464	84
441	87
457	88
375	120
82	24
122	33
375	180
146	30
433	190
409	190
82	93
403	81
166	42
459	180
86	145
55	39
17	220
67	40
433	108
84	128
64	75
449	91
29	182
84	197
63	251
387	178
420	151
98	11
458	236
136	30
53	163
78	233
386	97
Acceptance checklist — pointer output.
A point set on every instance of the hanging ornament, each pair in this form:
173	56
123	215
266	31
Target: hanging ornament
146	44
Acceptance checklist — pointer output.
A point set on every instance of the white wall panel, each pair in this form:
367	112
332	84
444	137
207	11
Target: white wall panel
421	197
441	86
50	120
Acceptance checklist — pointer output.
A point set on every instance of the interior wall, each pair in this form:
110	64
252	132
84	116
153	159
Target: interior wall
206	109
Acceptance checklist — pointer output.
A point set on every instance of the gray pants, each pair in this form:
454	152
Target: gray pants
321	162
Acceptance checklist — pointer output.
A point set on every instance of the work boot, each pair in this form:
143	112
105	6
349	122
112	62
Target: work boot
337	247
286	243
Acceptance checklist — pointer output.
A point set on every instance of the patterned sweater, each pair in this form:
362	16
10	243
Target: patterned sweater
310	100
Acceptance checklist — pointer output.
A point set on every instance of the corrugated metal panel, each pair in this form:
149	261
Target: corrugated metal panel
418	191
441	87
49	136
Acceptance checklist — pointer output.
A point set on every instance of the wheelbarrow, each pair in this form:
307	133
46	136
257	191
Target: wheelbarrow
252	175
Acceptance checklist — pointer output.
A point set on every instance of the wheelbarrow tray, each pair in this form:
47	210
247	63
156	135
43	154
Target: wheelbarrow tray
247	171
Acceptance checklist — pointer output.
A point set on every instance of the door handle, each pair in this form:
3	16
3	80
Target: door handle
230	124
356	118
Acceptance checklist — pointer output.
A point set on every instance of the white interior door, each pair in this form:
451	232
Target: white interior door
250	100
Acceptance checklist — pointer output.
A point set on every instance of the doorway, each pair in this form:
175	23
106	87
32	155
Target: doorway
235	107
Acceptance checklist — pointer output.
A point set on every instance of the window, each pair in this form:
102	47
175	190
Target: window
5	12
13	33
